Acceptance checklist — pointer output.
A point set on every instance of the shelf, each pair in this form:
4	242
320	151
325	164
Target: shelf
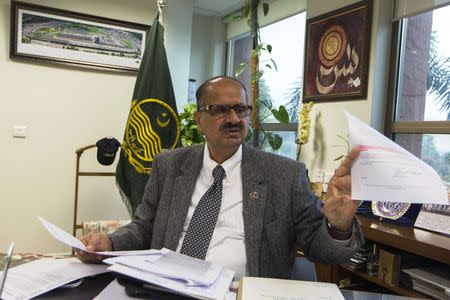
395	288
414	240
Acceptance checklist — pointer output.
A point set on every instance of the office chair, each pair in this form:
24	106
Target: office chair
303	269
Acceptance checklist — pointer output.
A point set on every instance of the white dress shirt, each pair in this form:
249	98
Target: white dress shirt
227	245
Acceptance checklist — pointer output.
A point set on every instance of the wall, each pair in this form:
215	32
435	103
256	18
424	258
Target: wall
178	25
328	120
65	108
207	54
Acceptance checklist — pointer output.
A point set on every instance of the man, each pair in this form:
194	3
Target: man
265	207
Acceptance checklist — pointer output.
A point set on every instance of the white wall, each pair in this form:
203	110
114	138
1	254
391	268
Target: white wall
370	110
207	48
178	25
65	108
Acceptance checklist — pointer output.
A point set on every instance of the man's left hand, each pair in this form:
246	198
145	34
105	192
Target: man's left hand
339	208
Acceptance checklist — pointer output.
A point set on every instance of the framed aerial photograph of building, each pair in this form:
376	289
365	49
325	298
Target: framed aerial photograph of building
337	54
55	35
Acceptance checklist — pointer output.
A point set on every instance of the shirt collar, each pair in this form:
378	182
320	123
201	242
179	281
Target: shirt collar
230	166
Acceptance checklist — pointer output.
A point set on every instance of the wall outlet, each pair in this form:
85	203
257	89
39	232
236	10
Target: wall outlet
19	131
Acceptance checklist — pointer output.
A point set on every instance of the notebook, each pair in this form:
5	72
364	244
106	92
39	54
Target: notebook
5	269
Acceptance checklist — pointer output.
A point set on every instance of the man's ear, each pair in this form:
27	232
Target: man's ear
199	122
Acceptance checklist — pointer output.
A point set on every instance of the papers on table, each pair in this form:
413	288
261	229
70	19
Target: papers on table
73	242
37	277
272	289
384	171
177	273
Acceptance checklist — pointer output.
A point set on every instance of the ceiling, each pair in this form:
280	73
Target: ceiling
216	7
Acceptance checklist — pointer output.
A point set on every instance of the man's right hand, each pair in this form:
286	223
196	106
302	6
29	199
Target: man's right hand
94	242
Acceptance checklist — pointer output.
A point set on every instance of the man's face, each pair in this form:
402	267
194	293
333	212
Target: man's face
227	132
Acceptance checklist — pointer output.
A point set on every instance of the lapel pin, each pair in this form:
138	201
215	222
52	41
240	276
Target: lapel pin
254	196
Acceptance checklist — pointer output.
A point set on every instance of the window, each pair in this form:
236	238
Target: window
279	87
418	116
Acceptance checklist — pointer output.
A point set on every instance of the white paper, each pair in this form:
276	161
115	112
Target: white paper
274	289
384	171
73	242
40	276
173	265
217	290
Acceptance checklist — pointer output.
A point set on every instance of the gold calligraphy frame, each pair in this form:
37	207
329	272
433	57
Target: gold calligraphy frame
337	54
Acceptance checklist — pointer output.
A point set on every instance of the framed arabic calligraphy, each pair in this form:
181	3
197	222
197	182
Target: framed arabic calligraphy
337	54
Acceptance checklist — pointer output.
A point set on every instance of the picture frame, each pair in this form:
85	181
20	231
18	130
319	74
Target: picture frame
48	34
337	54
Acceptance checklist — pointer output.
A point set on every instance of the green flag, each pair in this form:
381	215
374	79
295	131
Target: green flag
152	123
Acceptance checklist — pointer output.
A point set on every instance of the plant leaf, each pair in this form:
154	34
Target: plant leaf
275	140
255	76
269	66
246	11
281	114
236	18
265	9
249	23
269	48
274	64
338	158
265	102
241	68
249	135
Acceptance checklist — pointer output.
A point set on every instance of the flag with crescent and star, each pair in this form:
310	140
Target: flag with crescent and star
152	123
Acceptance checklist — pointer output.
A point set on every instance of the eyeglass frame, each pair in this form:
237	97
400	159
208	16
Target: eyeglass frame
230	107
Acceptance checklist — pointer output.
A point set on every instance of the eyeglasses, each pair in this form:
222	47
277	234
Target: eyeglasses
222	110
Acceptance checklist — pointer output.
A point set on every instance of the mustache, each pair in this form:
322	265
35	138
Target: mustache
230	125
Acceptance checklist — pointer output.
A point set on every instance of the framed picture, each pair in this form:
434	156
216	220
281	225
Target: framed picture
337	54
56	35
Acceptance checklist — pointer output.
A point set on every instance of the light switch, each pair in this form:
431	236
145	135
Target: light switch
19	131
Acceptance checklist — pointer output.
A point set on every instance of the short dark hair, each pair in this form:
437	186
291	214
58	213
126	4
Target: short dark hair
200	94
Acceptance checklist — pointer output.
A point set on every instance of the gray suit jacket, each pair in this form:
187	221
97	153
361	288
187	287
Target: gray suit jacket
278	211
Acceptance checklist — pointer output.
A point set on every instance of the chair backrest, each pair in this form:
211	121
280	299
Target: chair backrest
303	269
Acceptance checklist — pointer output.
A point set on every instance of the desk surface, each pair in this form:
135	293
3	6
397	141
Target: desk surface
92	286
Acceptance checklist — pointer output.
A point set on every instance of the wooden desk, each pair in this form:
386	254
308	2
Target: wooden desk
417	241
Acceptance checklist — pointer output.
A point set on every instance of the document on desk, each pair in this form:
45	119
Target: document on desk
274	289
40	276
384	171
191	271
177	273
217	290
73	242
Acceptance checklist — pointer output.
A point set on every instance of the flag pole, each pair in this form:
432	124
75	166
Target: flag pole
160	4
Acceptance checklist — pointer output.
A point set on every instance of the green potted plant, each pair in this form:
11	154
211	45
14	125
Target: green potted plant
188	127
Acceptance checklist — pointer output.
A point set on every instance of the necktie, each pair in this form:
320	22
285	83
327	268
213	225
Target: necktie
200	229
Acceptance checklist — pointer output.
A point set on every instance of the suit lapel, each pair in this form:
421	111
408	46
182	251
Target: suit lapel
254	203
183	188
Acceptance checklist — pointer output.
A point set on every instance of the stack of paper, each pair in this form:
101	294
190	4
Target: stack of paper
253	288
40	276
433	281
176	273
